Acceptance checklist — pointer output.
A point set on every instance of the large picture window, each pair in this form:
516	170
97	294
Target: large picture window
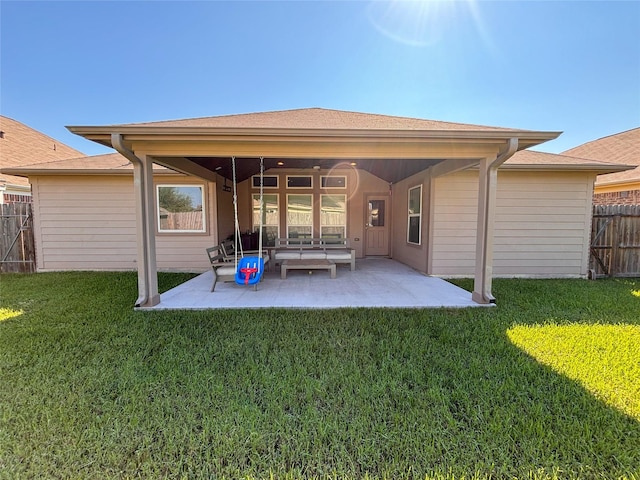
414	227
333	216
180	208
299	216
270	218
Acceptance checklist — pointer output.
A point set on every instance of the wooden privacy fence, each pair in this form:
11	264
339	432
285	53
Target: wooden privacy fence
615	241
17	250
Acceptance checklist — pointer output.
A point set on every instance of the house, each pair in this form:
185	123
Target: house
621	188
22	145
447	199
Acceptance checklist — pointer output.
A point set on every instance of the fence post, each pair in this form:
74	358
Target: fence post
615	242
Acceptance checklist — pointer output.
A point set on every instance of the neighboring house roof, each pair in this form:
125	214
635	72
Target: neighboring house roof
530	159
109	163
22	145
622	148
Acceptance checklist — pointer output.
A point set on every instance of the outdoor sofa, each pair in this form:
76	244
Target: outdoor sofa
336	250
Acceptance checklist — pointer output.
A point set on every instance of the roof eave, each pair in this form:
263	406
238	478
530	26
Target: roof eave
31	172
599	169
102	134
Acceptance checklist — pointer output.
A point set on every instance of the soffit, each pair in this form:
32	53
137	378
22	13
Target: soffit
389	170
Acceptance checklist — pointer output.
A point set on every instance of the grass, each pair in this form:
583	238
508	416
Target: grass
605	359
93	389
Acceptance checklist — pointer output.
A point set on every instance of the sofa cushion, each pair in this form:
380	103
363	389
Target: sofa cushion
231	270
338	255
284	255
312	255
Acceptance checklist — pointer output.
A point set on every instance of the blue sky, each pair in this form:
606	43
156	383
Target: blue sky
571	66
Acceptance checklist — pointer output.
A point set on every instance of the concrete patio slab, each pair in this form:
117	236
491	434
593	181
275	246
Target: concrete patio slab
376	282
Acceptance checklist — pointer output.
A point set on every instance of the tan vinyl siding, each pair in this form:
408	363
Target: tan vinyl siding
540	224
89	223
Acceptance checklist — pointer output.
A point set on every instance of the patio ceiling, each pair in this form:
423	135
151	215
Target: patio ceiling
389	170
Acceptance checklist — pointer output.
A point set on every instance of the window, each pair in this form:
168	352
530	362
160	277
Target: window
333	216
415	215
270	218
333	182
180	208
299	216
268	181
299	181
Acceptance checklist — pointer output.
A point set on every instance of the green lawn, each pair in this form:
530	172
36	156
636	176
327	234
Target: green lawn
543	386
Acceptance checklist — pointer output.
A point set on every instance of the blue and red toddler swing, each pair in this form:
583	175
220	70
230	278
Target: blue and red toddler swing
249	270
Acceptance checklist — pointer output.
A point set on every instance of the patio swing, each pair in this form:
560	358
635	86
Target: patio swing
249	270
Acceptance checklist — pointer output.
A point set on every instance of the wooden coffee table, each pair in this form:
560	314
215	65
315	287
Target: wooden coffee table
307	265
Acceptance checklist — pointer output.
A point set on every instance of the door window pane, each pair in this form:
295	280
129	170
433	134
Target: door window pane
376	213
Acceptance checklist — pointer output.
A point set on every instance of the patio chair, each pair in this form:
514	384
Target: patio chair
222	270
229	251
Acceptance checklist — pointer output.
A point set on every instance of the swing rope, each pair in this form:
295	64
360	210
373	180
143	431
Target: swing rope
235	215
261	205
247	271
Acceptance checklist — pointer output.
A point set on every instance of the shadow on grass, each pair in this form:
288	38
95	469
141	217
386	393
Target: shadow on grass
392	393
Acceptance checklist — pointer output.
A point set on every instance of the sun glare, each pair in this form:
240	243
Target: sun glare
422	23
603	358
7	313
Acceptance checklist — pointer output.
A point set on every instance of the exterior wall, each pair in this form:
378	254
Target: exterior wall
416	256
542	224
89	223
625	197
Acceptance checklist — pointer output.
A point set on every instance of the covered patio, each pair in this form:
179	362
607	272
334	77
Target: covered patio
376	282
392	150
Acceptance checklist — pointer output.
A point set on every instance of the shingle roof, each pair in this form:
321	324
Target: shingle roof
22	145
318	118
535	158
95	164
622	148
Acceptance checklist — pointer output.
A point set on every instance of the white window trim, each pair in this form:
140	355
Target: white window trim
413	215
179	185
300	176
323	177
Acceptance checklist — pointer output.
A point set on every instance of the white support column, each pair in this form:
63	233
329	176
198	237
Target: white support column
148	295
487	188
488	181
